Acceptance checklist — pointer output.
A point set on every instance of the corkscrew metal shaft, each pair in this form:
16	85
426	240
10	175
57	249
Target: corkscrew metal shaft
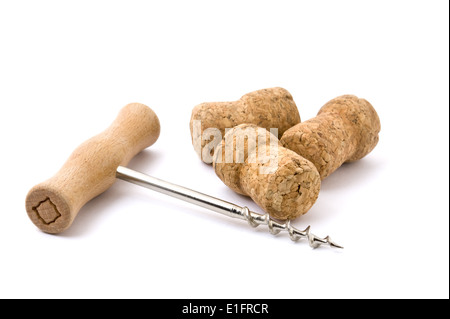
221	206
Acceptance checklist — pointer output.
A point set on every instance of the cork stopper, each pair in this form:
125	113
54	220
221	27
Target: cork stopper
267	108
345	129
281	182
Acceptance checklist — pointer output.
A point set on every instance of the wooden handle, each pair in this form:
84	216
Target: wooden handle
91	169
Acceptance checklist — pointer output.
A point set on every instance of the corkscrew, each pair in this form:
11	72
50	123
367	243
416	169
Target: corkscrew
95	165
222	207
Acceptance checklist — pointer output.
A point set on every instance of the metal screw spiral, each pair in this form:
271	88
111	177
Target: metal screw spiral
220	206
275	227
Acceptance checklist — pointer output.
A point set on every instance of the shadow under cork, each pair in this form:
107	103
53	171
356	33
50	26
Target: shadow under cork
352	174
339	187
93	212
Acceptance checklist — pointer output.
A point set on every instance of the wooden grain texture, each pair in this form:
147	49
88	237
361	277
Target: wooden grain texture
345	129
267	108
287	192
91	169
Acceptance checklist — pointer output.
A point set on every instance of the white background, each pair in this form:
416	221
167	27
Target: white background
66	69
